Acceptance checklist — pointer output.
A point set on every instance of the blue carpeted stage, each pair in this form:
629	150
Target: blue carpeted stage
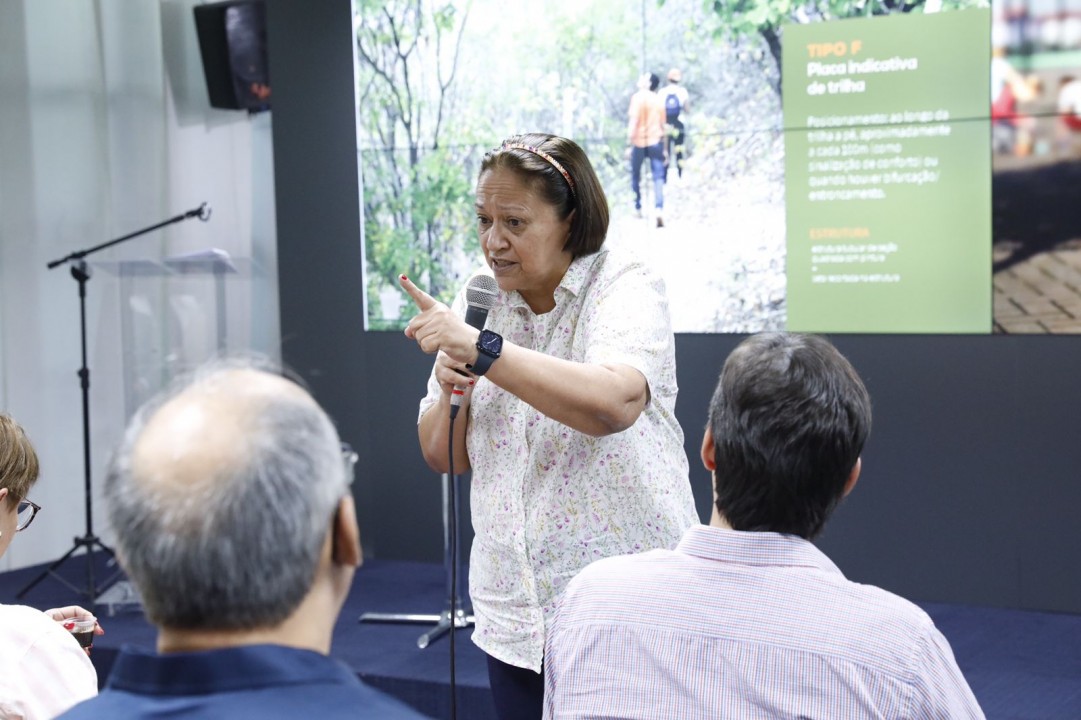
1021	665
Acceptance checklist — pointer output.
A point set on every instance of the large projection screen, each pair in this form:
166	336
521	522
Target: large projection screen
864	167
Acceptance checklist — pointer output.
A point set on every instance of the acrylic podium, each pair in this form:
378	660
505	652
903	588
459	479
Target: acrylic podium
174	316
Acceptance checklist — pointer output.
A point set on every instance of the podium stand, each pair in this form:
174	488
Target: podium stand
213	263
173	316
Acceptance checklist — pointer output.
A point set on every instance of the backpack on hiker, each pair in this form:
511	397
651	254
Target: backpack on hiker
672	106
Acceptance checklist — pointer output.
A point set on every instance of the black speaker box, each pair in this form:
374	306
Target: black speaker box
232	42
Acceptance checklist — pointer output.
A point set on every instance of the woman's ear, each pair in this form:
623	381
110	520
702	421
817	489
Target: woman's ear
568	223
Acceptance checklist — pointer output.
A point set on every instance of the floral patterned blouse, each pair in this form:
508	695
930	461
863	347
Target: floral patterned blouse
547	500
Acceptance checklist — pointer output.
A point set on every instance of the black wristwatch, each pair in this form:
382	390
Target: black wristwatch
489	346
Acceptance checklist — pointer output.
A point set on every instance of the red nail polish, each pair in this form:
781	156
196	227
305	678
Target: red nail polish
403	277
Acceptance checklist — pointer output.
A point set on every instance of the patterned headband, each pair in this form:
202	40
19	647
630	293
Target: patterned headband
551	161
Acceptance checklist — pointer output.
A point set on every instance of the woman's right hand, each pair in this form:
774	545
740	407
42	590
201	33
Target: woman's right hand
437	329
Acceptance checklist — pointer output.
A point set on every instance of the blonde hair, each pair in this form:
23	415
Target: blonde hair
18	461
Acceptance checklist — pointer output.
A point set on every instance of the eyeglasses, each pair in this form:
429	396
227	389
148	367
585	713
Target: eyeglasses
349	460
28	510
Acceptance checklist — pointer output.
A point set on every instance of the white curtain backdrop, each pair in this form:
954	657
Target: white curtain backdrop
105	128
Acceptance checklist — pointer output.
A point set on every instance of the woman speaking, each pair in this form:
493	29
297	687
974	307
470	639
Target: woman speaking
569	424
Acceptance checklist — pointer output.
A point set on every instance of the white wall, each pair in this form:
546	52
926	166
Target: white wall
105	128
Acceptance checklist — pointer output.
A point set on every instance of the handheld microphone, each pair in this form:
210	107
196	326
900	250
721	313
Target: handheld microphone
480	296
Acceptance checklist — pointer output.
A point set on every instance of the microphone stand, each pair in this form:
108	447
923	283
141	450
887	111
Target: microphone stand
89	541
455	615
481	294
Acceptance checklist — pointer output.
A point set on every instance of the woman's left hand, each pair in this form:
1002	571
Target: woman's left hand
438	328
74	612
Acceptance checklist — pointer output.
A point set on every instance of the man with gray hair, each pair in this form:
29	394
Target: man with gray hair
233	514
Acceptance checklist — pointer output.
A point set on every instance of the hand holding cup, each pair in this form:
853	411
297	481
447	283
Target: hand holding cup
80	622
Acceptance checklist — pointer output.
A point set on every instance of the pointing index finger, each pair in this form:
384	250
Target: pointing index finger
422	299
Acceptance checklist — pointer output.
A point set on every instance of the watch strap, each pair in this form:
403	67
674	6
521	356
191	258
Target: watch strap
484	361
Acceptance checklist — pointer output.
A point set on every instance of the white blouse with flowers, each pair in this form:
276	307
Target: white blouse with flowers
548	500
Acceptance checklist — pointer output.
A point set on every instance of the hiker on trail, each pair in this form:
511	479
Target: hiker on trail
676	101
645	135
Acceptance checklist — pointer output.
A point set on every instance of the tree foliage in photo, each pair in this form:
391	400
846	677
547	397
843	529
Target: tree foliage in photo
416	200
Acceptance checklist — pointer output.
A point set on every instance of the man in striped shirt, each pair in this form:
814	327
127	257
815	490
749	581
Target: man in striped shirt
746	618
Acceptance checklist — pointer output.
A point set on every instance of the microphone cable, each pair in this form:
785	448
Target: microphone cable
481	294
452	541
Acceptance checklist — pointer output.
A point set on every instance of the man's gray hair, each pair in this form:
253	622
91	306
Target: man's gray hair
238	550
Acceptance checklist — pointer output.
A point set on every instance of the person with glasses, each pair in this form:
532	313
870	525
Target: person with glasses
230	500
43	670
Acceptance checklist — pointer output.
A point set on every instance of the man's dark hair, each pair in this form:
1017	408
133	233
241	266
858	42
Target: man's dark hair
654	82
789	419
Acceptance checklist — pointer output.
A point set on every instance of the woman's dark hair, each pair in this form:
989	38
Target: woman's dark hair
586	199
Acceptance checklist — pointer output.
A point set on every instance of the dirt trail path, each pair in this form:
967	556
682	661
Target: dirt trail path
721	252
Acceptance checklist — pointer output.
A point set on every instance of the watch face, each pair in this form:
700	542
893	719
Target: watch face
490	343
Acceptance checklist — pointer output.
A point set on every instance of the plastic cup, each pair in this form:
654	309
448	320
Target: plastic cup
82	630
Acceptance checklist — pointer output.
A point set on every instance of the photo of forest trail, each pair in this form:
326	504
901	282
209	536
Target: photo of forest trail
440	82
722	248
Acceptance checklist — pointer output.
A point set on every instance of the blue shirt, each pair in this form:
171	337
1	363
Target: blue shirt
744	625
258	681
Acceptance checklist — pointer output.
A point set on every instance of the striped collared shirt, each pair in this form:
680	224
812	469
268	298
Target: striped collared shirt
744	625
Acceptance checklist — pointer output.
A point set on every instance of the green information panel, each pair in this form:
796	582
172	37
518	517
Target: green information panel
888	174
